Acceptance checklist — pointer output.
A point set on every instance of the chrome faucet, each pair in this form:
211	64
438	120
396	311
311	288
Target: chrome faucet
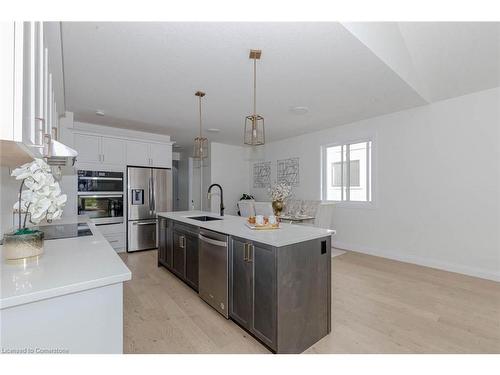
221	197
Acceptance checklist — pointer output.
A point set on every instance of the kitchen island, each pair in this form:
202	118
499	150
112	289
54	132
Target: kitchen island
69	300
278	281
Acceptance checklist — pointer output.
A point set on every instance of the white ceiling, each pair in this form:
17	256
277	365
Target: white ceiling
144	75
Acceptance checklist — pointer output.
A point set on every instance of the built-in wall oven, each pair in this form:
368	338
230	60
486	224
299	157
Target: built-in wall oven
100	196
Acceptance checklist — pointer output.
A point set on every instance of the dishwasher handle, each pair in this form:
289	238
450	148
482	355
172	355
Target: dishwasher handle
212	241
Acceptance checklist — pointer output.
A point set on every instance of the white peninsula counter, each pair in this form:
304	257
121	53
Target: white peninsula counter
70	300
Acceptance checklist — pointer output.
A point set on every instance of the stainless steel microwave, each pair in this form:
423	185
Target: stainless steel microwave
100	196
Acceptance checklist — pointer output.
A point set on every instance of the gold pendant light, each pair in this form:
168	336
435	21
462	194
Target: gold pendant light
254	124
200	143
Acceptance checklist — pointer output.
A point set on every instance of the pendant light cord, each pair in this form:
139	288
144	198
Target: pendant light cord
254	88
200	116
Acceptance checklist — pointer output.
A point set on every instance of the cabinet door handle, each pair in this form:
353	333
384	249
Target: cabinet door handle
250	253
182	242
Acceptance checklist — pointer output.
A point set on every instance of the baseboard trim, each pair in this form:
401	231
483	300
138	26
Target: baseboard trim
432	263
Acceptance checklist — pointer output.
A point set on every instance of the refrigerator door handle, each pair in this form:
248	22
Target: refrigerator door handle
153	195
149	195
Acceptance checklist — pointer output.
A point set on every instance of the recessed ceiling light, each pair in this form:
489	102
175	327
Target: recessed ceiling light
99	113
213	130
299	110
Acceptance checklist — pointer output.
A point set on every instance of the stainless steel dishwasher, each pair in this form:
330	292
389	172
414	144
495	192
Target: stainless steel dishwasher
213	270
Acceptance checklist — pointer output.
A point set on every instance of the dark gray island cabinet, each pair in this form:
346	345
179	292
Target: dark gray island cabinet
281	295
178	250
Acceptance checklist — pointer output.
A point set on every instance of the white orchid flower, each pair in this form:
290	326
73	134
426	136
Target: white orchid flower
42	198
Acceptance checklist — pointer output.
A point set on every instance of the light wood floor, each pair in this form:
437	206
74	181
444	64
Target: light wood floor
379	306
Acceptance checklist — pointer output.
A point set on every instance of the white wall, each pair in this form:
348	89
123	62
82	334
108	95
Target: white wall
438	183
8	195
229	168
183	181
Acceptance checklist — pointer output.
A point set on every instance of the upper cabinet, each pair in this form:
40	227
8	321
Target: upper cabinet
99	149
161	155
112	150
19	81
7	41
102	149
88	148
29	112
140	153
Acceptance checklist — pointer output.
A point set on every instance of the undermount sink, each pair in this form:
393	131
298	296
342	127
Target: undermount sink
204	218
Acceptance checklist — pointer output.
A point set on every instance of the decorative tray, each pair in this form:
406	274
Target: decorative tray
262	227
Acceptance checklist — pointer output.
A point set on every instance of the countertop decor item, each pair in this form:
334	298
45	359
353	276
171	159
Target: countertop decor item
268	223
279	193
278	207
254	124
41	200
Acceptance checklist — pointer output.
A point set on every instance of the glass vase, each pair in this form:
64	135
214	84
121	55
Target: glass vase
17	246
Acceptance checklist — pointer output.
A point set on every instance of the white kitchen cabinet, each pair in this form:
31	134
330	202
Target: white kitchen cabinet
149	154
138	153
17	73
25	94
40	52
160	155
112	150
88	148
99	149
29	84
7	31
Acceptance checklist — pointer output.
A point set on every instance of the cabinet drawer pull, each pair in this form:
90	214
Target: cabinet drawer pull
248	252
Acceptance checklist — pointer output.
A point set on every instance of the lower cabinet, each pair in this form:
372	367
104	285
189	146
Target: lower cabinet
178	258
241	275
178	250
253	289
165	242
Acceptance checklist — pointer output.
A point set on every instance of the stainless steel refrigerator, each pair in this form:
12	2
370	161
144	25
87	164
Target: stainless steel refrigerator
149	190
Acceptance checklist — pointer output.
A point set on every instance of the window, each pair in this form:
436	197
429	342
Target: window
347	173
353	176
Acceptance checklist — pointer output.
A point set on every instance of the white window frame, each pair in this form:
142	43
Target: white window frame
343	141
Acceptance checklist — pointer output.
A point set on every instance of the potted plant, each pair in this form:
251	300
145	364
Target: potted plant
42	199
279	193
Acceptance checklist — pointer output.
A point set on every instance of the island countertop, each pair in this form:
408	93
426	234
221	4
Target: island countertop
67	266
235	226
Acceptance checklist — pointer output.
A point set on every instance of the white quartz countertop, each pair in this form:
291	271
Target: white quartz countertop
67	266
235	226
